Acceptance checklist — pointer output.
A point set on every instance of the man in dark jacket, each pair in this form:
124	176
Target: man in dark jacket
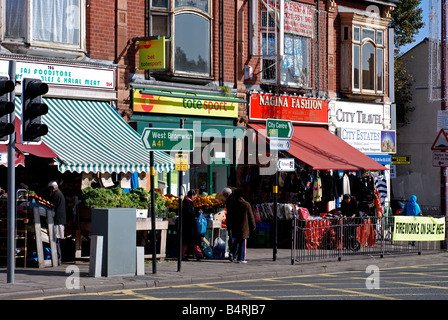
243	222
57	199
349	206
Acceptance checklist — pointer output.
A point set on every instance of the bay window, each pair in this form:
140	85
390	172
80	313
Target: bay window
362	56
188	23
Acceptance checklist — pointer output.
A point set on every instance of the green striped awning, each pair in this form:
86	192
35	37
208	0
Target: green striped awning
90	136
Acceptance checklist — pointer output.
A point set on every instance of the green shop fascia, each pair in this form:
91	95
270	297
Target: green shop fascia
212	116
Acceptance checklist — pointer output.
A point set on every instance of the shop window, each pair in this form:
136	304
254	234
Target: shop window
55	24
188	53
362	56
295	66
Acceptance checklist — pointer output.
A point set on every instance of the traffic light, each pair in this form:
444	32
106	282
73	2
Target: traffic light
32	110
6	107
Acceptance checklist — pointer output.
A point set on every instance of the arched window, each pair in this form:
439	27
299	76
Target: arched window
188	23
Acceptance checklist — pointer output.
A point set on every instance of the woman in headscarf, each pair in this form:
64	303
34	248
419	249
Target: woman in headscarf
411	208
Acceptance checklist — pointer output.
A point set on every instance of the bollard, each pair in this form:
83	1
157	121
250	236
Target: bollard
96	256
140	261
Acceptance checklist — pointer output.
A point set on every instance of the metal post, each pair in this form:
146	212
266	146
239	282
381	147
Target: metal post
275	194
11	250
179	260
444	106
153	214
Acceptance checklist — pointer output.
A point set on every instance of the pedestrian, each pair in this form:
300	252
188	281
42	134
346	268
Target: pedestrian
411	208
242	223
57	199
349	206
228	195
190	237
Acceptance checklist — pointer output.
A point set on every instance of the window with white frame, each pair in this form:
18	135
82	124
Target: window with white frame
296	60
363	58
57	24
188	23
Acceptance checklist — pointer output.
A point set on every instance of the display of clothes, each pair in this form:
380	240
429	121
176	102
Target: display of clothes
319	191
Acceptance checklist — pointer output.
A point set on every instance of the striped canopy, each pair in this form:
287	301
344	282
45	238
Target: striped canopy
90	136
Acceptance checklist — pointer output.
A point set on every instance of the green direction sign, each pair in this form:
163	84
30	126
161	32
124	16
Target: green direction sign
157	139
281	129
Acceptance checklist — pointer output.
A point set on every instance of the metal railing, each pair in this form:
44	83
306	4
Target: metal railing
338	237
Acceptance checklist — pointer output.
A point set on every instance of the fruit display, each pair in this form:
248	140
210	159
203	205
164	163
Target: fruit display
171	202
207	202
32	197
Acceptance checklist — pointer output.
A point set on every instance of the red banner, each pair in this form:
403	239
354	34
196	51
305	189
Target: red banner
301	110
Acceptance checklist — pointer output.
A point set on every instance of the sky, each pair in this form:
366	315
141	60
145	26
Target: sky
424	32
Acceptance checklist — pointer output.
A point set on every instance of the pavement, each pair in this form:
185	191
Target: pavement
72	278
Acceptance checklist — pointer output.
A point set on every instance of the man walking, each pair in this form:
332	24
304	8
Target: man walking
58	201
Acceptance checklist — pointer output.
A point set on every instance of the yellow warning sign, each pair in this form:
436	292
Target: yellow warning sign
181	162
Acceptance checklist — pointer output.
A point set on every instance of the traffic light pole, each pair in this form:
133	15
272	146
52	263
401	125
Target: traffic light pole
11	185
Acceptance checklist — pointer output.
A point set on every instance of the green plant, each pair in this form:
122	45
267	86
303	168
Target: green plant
116	198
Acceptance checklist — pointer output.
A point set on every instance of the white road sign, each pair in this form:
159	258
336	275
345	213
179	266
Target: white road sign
279	144
285	165
440	159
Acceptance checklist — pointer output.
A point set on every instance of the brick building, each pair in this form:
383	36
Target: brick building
227	68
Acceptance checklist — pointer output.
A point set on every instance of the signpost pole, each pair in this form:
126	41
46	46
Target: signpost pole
275	193
179	260
153	215
11	252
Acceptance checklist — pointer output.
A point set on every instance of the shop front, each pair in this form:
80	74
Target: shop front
88	143
321	161
367	127
212	116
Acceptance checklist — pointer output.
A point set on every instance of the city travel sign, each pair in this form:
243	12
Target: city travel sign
157	139
286	107
182	104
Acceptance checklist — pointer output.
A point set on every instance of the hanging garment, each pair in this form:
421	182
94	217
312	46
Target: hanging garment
317	189
345	184
381	185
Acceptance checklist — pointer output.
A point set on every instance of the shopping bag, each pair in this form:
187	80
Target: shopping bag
201	224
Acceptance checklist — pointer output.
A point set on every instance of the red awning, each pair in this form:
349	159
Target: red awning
41	150
322	150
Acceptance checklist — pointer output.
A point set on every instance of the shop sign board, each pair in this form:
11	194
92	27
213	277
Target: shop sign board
279	144
161	139
440	159
264	106
285	165
281	129
64	75
151	54
196	105
369	141
298	18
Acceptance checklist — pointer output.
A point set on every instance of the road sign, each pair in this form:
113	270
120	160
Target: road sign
285	165
281	129
440	159
441	142
181	162
164	139
279	144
